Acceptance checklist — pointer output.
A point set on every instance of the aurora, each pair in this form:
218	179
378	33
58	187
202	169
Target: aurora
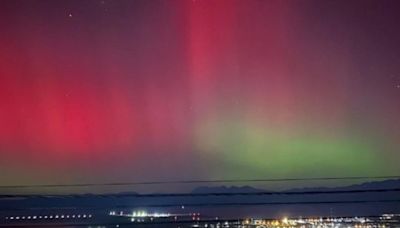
94	91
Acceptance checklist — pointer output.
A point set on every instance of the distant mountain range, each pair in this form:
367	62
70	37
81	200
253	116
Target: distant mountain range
233	204
386	184
226	189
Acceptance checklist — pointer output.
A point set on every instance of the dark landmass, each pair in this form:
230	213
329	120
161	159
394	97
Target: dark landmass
212	201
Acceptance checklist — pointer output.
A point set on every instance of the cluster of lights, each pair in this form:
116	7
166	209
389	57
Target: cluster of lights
143	214
35	217
389	216
356	222
140	214
195	216
222	224
138	219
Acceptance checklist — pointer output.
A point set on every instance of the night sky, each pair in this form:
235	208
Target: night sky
101	90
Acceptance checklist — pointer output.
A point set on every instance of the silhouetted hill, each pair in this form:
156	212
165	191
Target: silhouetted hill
226	189
367	185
